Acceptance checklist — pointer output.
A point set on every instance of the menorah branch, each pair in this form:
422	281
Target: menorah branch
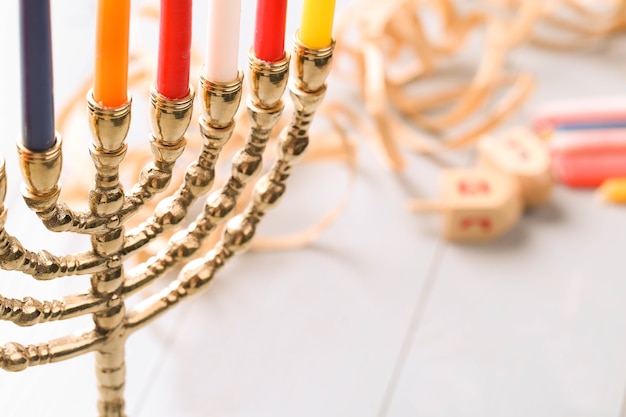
220	102
43	265
30	311
169	120
15	357
196	275
265	106
307	91
41	192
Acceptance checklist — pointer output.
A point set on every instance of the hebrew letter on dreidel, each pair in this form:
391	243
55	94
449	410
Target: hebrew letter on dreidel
520	153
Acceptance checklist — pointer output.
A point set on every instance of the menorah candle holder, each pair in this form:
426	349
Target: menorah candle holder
110	207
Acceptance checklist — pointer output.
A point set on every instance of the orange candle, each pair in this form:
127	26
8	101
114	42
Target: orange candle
111	70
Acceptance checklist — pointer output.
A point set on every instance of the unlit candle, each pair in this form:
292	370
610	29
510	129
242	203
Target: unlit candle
37	99
111	69
174	48
222	57
269	32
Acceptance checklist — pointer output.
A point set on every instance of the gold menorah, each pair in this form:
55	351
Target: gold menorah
110	207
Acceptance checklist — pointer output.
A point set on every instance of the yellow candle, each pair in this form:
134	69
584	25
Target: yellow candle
111	70
316	29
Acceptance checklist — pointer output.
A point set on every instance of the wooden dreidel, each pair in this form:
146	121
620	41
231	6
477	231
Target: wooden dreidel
476	204
522	154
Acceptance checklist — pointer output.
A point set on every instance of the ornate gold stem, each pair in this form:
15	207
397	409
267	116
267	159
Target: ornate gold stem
106	199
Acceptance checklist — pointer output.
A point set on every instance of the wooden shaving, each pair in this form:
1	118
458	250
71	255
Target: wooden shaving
391	49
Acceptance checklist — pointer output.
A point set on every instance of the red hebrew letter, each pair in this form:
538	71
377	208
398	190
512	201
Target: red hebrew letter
474	186
484	223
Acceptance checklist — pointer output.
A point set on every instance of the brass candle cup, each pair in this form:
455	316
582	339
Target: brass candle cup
312	66
220	100
268	80
169	118
41	170
109	125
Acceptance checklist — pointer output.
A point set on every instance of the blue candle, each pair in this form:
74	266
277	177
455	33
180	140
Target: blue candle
36	53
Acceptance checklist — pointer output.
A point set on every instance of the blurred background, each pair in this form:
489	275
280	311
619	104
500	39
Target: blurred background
378	317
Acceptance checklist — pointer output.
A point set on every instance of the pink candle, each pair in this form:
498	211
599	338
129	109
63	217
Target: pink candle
221	61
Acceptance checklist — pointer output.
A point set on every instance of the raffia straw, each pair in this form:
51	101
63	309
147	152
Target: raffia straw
377	37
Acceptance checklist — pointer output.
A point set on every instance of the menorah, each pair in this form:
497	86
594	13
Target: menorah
110	208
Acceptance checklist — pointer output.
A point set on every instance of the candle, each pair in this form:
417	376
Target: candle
269	33
316	29
36	57
221	61
111	70
174	48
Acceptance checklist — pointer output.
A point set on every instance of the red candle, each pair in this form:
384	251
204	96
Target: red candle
174	48
269	33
